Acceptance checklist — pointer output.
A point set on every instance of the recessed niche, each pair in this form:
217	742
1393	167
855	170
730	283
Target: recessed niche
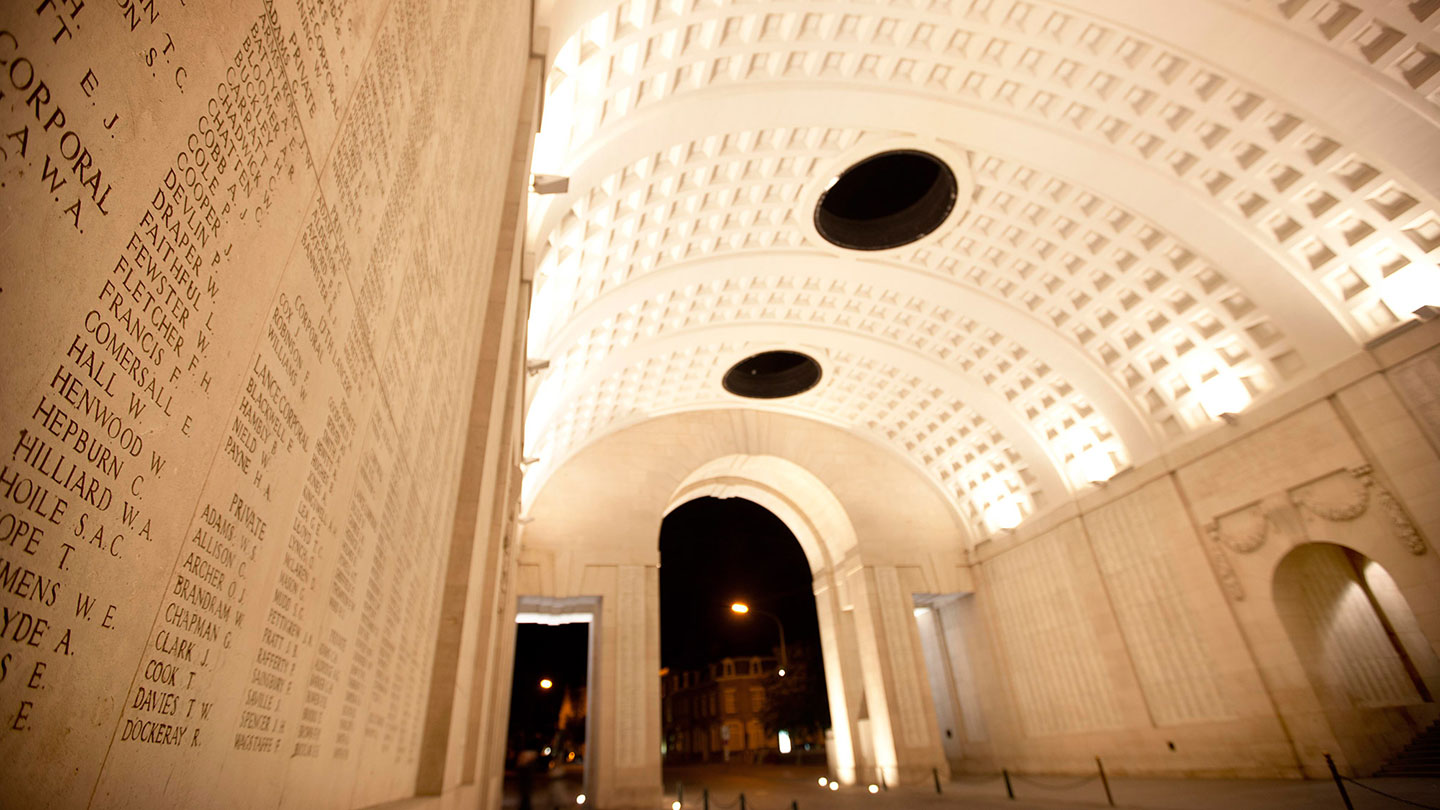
886	200
772	375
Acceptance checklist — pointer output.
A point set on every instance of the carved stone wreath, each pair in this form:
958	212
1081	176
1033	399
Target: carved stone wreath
1242	531
1345	496
1341	497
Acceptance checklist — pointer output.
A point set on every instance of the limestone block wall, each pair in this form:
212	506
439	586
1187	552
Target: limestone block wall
246	272
1199	614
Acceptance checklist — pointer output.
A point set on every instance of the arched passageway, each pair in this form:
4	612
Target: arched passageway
874	537
1358	641
734	680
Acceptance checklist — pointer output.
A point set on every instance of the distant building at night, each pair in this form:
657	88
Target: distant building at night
709	712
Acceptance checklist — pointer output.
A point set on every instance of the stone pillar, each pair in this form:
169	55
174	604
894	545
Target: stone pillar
897	696
625	683
842	679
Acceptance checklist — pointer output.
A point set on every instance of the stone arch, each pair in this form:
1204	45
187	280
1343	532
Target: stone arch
875	532
1369	664
792	493
820	524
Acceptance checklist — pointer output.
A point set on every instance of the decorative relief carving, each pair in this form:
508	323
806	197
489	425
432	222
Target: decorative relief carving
1341	497
1405	531
1244	530
1229	580
1345	495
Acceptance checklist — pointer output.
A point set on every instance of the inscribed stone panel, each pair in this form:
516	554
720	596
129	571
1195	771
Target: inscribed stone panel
237	338
1134	541
1054	662
1418	381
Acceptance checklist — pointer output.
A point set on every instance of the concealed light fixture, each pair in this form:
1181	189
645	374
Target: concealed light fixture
549	184
1004	514
822	781
675	805
873	788
1412	288
1223	396
580	799
1095	465
834	785
780	672
886	200
772	375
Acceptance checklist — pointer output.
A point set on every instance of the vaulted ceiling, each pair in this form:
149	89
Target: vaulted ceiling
1161	205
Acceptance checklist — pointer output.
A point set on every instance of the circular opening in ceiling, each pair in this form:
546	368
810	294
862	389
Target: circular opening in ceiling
886	200
772	375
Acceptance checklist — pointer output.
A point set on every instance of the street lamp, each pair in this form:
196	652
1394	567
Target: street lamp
742	609
546	683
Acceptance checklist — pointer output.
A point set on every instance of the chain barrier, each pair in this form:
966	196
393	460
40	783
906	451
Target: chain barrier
1074	783
976	778
1388	796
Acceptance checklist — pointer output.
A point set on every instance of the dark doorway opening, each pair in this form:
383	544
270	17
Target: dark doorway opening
545	743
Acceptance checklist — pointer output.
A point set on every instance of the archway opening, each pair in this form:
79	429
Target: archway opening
1360	645
723	697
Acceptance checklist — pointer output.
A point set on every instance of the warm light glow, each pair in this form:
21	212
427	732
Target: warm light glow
546	683
823	781
873	788
546	752
1410	288
1223	393
834	785
740	607
570	756
580	799
780	672
1004	514
675	805
784	741
1094	465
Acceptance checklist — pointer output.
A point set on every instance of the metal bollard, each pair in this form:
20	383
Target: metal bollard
1104	781
935	772
705	797
742	801
1339	783
1009	791
794	805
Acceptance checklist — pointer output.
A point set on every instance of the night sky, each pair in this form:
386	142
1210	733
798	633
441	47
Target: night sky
714	552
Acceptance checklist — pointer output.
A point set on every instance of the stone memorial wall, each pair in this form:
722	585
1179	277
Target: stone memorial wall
245	248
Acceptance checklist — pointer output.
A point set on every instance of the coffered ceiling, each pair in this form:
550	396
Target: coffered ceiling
1165	212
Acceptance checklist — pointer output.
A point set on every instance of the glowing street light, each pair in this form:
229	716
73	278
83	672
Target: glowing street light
742	609
546	683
